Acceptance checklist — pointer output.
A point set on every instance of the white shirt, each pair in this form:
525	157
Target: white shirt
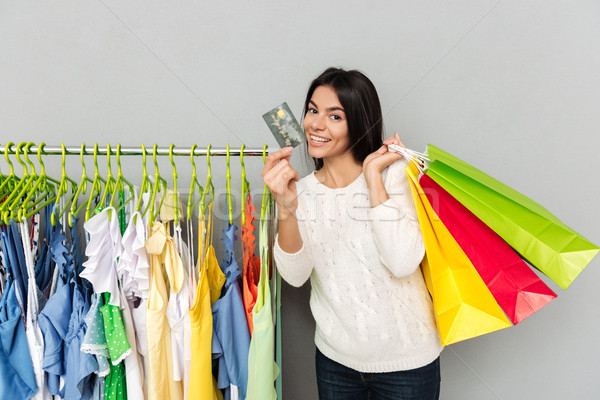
372	309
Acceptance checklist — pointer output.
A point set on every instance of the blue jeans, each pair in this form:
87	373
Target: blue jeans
337	382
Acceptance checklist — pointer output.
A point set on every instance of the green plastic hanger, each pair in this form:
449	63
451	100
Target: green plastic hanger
39	185
27	160
146	185
109	186
16	189
81	189
208	186
120	183
266	193
15	200
96	185
228	185
63	187
9	181
45	185
17	192
245	184
176	211
158	180
193	185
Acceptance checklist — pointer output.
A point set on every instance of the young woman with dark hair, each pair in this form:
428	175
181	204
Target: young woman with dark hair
351	226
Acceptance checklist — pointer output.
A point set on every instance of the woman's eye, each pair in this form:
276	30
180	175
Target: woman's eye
312	111
336	117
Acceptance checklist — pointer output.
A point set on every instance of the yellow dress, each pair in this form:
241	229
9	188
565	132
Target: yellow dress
202	385
161	385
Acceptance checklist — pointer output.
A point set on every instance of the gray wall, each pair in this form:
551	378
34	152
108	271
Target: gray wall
510	86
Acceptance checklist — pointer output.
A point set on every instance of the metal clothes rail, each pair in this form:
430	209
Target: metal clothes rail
135	151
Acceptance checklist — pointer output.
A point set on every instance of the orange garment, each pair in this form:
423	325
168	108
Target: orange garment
251	269
202	385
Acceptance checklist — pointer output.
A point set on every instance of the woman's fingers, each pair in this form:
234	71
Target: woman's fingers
274	157
394	140
279	177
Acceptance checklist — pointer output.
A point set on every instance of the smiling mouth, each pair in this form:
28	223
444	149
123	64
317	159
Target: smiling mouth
318	139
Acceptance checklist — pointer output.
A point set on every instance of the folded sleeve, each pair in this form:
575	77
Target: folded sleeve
395	226
295	268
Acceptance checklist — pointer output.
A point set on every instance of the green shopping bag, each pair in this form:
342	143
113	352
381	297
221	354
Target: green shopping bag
540	237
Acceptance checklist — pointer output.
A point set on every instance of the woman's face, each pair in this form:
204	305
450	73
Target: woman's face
325	124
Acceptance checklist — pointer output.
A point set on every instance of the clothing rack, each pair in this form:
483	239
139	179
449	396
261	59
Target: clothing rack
32	149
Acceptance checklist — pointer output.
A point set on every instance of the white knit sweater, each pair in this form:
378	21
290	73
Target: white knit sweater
372	309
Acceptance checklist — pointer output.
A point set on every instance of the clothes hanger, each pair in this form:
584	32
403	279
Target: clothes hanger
176	205
14	194
208	186
228	185
38	185
81	189
26	188
9	180
109	186
245	183
96	185
190	206
158	180
63	188
194	183
120	183
146	186
45	185
7	209
265	189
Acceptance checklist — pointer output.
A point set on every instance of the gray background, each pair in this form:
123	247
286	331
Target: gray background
510	86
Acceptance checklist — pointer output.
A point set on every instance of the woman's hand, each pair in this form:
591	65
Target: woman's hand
280	178
377	161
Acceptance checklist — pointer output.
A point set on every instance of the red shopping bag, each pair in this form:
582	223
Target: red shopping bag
516	288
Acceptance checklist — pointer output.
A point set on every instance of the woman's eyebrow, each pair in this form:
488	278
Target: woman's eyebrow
327	109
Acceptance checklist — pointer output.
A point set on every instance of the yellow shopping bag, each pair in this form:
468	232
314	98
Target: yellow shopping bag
463	305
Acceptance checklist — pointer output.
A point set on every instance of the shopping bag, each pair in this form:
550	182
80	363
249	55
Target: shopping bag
536	234
516	288
463	306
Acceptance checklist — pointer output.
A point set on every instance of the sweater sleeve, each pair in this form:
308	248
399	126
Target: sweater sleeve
395	225
295	268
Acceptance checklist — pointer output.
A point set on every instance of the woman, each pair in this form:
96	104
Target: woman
351	226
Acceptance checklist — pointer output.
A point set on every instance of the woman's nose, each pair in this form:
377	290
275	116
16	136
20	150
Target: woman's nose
318	122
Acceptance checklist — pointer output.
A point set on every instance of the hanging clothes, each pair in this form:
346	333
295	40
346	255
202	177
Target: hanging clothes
187	289
54	318
160	359
251	267
202	385
94	340
35	339
142	318
17	378
178	314
103	250
134	272
17	263
262	369
231	339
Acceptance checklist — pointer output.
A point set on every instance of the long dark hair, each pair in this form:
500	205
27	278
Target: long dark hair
359	99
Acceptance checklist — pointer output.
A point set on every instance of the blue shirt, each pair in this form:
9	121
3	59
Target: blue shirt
231	339
17	379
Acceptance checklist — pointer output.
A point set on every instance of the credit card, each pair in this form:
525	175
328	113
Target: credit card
284	126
